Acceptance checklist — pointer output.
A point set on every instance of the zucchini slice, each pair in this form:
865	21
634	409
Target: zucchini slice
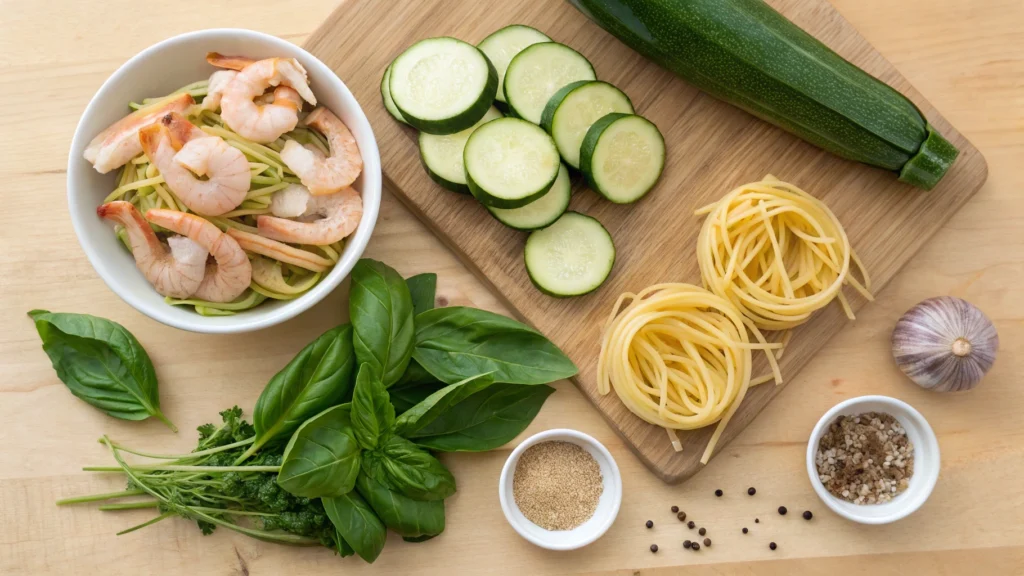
574	108
501	46
442	155
622	157
535	74
571	257
541	212
385	94
510	163
442	85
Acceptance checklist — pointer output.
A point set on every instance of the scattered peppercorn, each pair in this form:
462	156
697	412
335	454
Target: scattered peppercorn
782	510
687	544
681	516
757	520
745	530
702	531
751	491
718	493
808	515
707	542
650	524
675	509
695	546
691	525
654	547
773	546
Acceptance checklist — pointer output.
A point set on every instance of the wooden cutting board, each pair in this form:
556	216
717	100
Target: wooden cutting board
712	148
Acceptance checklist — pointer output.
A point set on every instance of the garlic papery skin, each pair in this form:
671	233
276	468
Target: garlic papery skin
945	344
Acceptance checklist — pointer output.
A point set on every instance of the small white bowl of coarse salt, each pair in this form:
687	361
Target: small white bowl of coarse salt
560	489
873	459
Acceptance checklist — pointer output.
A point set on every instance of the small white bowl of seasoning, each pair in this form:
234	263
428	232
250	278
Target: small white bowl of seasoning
925	467
562	479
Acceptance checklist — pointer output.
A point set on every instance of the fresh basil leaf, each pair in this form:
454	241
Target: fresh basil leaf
318	378
485	420
407	517
373	415
343	548
423	290
418	538
455	343
437	403
102	363
357	523
381	311
412	471
322	457
406	397
414	374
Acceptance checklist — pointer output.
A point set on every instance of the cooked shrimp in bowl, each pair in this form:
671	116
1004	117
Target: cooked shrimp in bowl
232	190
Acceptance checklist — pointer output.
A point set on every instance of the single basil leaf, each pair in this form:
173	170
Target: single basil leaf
455	343
416	539
344	548
322	457
357	523
485	420
412	471
101	363
372	413
423	290
407	517
406	397
380	308
414	374
318	378
437	403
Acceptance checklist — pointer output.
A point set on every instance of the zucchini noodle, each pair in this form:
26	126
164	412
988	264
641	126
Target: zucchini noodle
140	183
777	254
679	357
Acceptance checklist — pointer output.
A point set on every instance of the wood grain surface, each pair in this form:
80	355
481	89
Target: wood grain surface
712	147
968	57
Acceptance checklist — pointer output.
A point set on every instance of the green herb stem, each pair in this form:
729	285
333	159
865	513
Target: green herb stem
149	522
181	468
129	505
197	454
99	497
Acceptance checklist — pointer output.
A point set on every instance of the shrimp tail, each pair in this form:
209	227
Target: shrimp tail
229	62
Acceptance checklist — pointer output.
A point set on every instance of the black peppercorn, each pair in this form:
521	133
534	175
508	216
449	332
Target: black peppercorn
654	547
650	524
745	530
751	491
782	510
681	516
808	515
691	525
707	542
695	546
702	531
773	546
718	493
757	520
687	544
675	509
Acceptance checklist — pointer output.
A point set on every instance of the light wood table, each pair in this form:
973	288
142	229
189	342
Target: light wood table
966	57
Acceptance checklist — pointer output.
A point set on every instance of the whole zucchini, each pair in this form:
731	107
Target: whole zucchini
747	54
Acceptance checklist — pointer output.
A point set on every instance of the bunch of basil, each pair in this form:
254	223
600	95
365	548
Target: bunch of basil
425	379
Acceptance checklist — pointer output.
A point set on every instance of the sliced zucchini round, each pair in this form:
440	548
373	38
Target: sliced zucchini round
501	46
571	257
574	108
510	163
622	157
442	85
442	155
385	94
535	74
542	211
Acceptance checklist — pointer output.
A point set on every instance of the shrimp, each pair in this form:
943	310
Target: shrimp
219	81
339	215
272	249
236	63
177	273
267	122
181	151
119	143
325	176
229	274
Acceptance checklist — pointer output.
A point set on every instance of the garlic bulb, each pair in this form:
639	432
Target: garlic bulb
945	344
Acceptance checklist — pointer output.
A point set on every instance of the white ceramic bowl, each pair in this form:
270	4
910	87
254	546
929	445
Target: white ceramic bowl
926	461
161	69
589	531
